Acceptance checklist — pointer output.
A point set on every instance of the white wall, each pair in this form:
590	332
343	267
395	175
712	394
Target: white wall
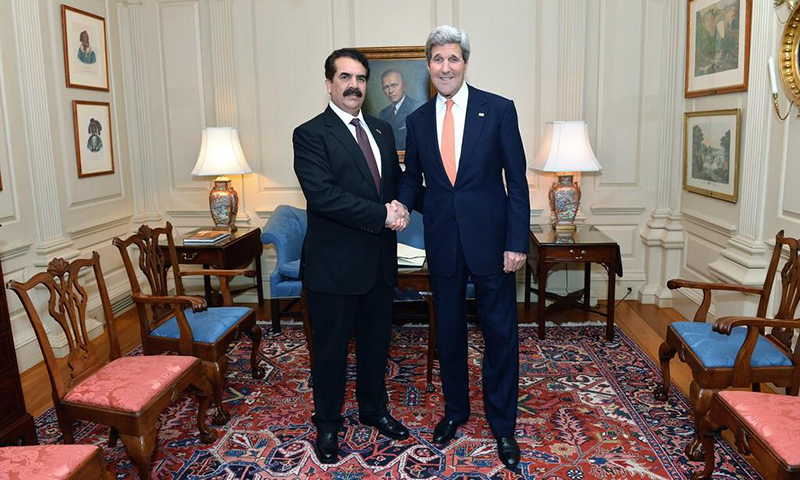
730	242
180	65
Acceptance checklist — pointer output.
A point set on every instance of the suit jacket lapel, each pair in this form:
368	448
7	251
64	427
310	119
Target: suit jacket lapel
473	126
338	129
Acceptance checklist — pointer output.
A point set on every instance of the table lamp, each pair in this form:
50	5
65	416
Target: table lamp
565	149
220	155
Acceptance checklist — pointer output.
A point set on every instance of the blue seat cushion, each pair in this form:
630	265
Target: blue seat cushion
207	326
715	350
290	270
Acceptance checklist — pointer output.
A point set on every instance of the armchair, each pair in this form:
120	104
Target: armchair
766	426
183	324
285	229
127	393
736	351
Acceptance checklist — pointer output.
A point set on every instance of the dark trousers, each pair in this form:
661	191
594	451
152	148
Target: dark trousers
496	300
333	319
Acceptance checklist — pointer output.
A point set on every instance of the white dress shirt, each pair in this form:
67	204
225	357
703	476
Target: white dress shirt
398	104
347	118
459	111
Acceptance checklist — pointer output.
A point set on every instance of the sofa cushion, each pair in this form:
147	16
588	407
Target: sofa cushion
129	383
773	418
207	326
715	350
44	462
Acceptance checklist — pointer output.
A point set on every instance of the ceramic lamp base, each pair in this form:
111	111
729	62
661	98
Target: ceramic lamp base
224	203
565	197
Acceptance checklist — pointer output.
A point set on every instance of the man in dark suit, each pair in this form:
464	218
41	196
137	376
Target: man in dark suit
400	105
348	169
464	141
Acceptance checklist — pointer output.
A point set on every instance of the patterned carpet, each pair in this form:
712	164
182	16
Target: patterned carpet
585	412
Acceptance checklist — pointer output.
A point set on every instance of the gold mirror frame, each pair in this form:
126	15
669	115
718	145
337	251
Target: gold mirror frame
789	57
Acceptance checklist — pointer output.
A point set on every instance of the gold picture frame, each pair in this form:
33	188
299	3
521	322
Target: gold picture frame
789	57
94	144
711	153
83	35
411	69
717	46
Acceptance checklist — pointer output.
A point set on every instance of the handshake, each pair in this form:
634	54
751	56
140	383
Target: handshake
397	216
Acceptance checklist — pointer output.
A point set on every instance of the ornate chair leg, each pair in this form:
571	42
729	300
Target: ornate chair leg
202	391
665	354
707	442
275	310
140	450
66	426
701	402
215	373
255	353
113	436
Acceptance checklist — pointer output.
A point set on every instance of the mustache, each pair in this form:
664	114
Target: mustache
352	91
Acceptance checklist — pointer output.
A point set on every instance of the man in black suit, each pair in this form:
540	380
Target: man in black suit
348	169
400	105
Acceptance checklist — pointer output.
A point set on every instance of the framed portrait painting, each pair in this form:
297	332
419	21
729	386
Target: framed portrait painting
717	46
399	84
711	153
85	49
94	147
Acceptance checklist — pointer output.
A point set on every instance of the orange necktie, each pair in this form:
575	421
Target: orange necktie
448	148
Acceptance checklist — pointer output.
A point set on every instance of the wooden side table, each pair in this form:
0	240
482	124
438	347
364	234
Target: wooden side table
420	281
587	245
236	251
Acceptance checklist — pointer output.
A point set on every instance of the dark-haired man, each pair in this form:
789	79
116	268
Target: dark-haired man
348	169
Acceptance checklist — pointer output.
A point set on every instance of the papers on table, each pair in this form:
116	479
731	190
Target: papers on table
408	256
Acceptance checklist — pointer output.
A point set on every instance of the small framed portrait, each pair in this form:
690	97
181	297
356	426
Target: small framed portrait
717	46
399	84
85	49
94	147
711	153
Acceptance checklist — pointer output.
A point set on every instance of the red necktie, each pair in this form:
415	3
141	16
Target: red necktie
363	142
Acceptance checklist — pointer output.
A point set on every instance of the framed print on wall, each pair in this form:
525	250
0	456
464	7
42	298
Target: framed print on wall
94	148
711	153
717	46
399	84
85	49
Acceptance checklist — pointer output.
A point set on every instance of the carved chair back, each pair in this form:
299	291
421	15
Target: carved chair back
789	294
67	304
154	265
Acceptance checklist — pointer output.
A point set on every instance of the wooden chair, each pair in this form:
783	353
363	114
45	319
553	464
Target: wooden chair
184	324
722	355
127	393
54	462
764	425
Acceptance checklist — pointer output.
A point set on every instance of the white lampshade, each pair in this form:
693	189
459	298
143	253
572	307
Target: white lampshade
566	148
220	153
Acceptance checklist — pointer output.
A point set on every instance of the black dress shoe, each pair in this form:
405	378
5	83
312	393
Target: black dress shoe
327	447
445	431
388	427
508	451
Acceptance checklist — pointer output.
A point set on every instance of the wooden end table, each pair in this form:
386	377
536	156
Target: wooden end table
587	245
419	280
236	251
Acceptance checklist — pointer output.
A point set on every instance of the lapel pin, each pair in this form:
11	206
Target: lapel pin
481	114
379	132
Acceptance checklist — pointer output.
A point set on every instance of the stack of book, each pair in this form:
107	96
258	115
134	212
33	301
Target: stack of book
205	237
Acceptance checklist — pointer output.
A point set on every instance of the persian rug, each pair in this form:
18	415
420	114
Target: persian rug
586	411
